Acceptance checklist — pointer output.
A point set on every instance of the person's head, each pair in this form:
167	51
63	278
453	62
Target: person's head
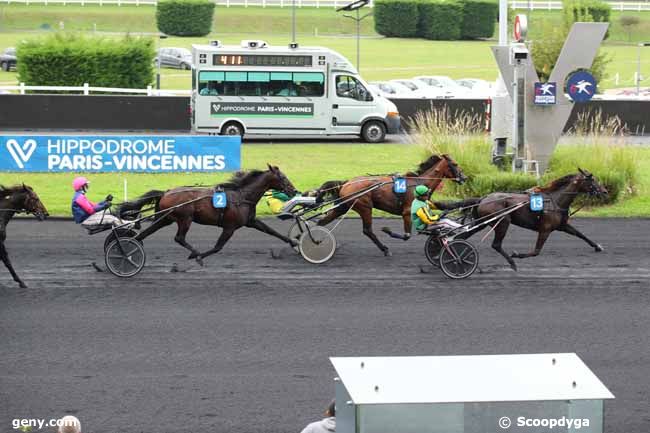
80	184
421	192
331	409
69	424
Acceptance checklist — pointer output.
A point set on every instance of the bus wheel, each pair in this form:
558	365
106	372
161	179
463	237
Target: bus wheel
232	128
373	131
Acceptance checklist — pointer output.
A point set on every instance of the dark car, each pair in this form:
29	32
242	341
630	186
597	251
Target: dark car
8	59
175	58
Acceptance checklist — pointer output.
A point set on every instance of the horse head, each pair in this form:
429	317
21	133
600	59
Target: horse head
281	182
453	170
589	184
33	204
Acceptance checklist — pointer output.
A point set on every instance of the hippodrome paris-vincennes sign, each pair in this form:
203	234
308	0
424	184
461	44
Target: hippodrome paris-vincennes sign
119	153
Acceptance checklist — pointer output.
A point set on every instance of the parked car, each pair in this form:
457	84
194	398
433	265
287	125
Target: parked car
391	90
8	59
477	88
419	89
174	58
448	87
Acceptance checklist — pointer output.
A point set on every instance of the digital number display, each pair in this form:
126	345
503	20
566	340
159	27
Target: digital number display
258	60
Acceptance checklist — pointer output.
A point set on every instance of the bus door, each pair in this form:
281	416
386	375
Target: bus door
351	102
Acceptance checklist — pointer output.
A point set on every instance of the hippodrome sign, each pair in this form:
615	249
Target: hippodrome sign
135	153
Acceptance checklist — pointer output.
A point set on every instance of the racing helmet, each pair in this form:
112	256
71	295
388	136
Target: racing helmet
79	182
421	190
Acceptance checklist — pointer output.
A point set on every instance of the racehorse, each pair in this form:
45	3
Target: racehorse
430	173
559	194
17	199
186	205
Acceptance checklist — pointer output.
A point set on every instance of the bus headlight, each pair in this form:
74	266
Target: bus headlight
393	114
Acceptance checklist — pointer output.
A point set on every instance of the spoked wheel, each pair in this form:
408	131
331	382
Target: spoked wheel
432	249
459	259
317	245
296	230
125	257
122	233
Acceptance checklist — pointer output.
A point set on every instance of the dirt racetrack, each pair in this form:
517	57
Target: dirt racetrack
242	344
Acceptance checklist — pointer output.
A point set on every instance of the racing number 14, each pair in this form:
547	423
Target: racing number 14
400	185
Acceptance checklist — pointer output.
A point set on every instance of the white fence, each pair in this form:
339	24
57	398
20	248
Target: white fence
86	89
515	4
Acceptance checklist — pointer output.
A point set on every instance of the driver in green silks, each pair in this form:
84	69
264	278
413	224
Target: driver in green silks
280	202
424	211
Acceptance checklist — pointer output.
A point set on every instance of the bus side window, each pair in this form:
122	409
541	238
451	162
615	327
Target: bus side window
309	84
282	84
211	83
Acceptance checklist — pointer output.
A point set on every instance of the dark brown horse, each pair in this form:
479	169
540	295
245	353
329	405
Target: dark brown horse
243	192
17	199
558	196
430	173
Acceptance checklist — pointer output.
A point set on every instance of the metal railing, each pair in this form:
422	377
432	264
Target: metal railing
86	89
555	5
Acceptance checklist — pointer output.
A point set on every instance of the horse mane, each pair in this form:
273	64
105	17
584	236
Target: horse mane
425	165
11	190
241	179
556	184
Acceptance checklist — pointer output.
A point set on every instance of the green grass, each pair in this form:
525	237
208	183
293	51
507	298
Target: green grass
308	166
388	58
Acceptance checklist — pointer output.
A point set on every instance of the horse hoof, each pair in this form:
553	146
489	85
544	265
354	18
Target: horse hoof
513	267
22	285
192	256
199	260
515	255
599	248
387	253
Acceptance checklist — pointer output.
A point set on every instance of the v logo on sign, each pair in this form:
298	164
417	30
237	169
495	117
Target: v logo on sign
21	154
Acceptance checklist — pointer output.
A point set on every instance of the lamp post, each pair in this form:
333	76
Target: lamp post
638	66
160	36
355	6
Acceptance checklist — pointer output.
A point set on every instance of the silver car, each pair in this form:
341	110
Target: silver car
174	58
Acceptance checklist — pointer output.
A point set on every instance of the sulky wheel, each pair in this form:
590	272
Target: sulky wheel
122	233
432	249
125	257
317	245
459	259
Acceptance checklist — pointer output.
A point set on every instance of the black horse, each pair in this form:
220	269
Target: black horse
558	195
17	199
187	205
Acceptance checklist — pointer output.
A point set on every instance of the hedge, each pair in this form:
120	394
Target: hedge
396	18
440	19
598	10
185	17
479	18
72	60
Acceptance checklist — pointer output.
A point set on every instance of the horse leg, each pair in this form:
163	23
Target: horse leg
569	229
264	228
225	235
499	234
183	228
366	218
332	215
4	256
541	240
154	227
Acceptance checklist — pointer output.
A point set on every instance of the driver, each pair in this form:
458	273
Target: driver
87	213
421	211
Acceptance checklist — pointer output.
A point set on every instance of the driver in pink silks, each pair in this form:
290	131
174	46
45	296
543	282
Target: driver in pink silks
87	213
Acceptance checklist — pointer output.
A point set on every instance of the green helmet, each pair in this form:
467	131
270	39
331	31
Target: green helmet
421	190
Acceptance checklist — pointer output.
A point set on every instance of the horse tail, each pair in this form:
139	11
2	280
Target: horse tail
330	190
131	209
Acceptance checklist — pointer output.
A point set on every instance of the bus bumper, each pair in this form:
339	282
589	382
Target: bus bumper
393	124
